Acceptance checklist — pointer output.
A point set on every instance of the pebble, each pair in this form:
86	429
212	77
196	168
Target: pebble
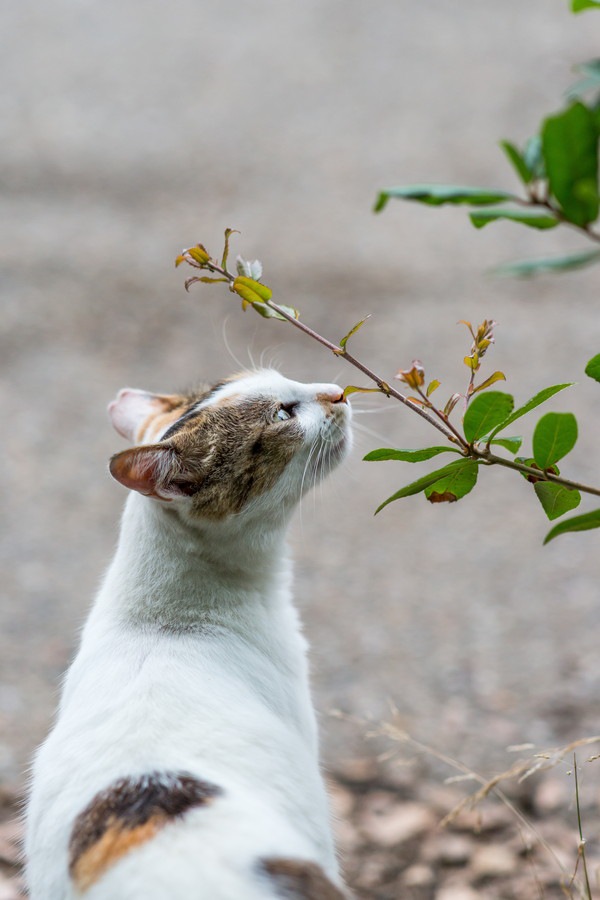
11	834
391	824
362	770
551	795
418	875
449	849
372	869
492	861
457	892
341	800
484	818
10	888
347	838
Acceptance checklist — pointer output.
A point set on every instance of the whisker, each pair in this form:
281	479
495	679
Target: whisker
274	360
369	412
306	467
363	429
236	360
319	474
251	358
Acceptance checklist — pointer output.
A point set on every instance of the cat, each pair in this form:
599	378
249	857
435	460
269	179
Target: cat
183	764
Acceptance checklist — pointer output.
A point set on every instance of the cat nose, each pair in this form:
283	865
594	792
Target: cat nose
333	396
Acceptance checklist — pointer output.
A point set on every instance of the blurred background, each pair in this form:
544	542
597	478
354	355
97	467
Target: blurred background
131	130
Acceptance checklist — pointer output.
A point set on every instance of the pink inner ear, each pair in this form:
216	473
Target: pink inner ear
131	409
145	469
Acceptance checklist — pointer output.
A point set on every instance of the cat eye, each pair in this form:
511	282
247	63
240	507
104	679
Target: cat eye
285	412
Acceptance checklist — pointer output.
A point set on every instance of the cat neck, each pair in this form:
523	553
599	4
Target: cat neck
181	576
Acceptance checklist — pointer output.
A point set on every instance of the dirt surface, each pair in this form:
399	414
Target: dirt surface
418	839
131	130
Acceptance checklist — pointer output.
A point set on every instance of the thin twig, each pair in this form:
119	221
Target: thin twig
581	848
429	412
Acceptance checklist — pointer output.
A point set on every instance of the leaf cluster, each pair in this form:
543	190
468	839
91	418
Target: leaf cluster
484	424
487	414
246	284
558	171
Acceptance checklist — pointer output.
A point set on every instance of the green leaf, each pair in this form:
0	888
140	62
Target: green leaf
290	310
527	267
533	157
228	233
512	444
579	5
556	498
354	389
497	376
454	484
537	400
407	455
590	81
577	523
570	147
207	280
555	435
531	217
251	290
416	487
518	161
593	368
438	194
433	386
352	331
267	312
590	68
485	412
581	87
533	477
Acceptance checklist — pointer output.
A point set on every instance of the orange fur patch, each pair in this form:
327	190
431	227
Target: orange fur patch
156	424
114	843
128	813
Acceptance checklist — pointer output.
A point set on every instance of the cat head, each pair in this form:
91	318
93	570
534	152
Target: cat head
254	440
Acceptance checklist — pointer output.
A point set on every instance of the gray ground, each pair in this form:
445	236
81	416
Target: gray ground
132	129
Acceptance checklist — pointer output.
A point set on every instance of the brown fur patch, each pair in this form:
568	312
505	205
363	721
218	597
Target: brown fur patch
128	813
296	879
230	452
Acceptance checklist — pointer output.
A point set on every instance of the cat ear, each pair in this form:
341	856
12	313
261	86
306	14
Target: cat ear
131	409
154	470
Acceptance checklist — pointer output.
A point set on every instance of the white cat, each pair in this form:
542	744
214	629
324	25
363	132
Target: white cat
183	764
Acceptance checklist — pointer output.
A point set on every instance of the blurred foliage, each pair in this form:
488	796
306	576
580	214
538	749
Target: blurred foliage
558	170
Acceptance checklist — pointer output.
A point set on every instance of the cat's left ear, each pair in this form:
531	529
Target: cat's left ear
132	409
154	470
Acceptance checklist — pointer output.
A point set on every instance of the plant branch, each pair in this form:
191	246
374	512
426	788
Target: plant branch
437	412
429	412
538	474
581	848
536	200
446	429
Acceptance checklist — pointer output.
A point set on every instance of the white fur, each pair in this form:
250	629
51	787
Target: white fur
192	660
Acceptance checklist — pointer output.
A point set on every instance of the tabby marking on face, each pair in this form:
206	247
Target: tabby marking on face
221	450
125	815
